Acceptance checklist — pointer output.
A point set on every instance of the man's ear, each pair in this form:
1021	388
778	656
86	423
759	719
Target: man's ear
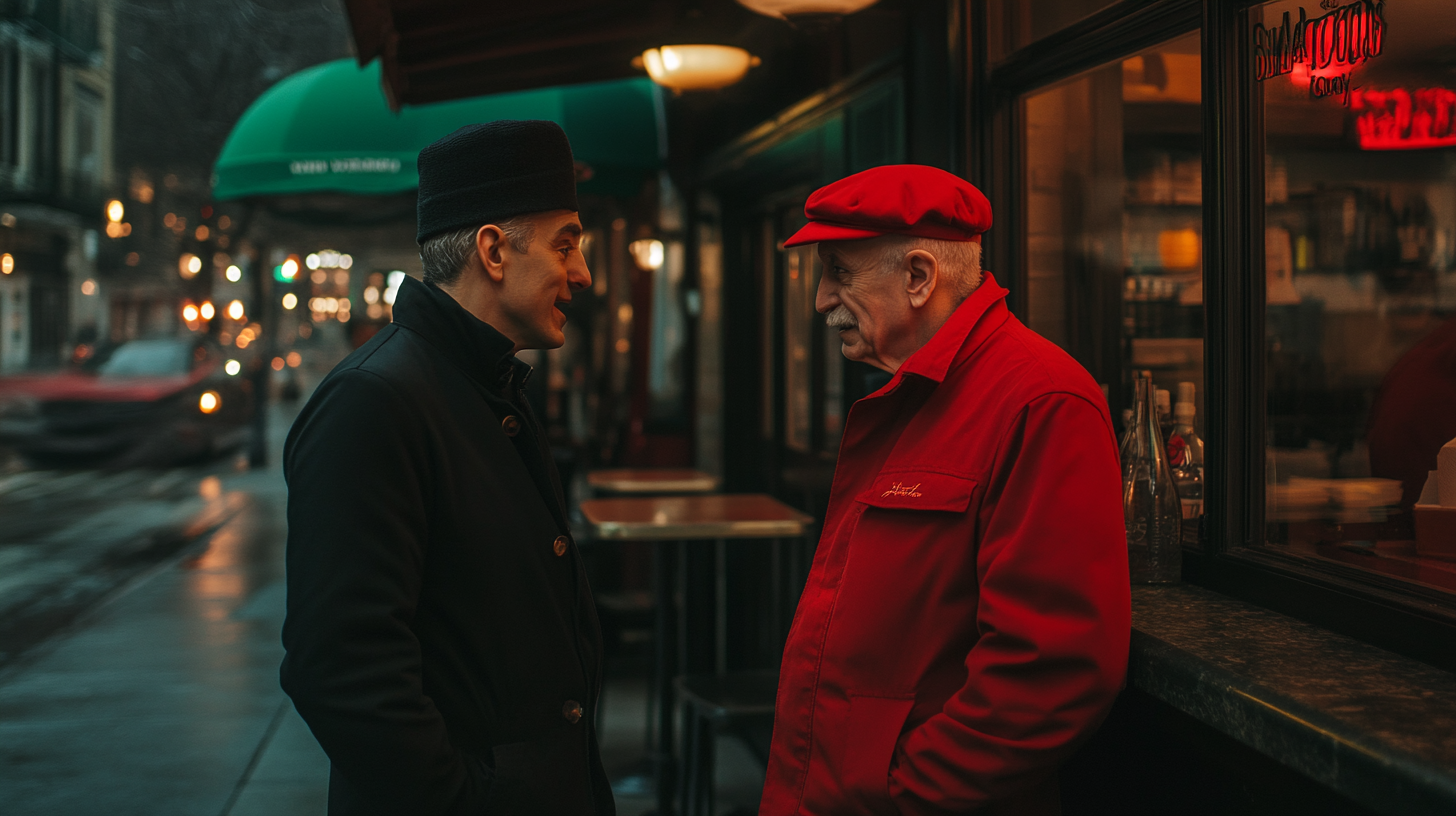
489	241
924	275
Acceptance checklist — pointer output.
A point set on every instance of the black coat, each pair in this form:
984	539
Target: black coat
442	642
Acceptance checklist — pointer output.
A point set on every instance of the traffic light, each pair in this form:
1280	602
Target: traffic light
287	271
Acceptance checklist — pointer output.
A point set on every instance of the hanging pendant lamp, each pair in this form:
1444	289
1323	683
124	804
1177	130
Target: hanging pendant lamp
696	67
789	9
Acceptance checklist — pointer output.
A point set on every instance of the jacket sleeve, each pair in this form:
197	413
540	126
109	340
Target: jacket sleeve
359	488
1054	617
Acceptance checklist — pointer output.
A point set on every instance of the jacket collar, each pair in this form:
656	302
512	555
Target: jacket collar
467	341
967	327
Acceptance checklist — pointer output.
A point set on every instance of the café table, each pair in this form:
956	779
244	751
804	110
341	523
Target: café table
651	481
672	523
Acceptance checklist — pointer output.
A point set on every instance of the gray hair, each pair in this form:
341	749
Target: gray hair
446	255
960	261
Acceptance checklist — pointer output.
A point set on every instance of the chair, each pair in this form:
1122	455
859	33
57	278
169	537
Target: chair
714	703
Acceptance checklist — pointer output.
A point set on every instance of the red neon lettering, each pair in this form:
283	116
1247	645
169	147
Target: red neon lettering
1402	119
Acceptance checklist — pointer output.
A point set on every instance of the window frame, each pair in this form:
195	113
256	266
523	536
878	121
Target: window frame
1230	556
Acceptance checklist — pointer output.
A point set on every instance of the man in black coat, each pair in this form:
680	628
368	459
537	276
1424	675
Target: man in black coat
441	639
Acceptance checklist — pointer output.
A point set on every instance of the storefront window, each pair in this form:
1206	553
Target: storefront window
1359	105
1018	23
1113	192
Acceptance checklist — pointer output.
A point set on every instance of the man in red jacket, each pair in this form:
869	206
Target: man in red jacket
966	620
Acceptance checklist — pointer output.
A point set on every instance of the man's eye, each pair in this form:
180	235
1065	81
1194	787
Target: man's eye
565	251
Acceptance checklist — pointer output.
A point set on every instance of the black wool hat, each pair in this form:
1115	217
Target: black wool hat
489	172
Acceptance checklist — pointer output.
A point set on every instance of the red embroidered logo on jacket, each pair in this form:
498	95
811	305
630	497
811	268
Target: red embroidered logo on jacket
898	489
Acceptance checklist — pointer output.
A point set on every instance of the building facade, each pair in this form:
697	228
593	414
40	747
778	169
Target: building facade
55	174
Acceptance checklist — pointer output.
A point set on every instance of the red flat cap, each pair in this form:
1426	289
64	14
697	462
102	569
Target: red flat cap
899	199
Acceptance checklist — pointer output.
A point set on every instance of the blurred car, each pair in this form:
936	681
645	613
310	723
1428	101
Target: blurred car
147	403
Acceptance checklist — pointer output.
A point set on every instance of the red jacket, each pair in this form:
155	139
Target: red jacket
967	616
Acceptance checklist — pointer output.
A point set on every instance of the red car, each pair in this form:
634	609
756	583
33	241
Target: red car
148	403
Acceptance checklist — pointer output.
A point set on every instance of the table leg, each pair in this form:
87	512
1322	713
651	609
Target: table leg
664	671
776	590
720	606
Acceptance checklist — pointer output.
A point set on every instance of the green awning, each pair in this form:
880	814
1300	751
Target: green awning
328	129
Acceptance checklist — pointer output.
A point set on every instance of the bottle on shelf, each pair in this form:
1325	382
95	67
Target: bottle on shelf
1128	432
1152	514
1165	413
1185	453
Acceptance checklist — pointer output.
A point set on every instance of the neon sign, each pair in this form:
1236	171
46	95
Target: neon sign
1401	119
1321	53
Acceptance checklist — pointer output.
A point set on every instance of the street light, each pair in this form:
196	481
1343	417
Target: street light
696	67
189	265
648	253
235	310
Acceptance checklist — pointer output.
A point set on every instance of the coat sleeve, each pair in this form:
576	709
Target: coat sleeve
358	494
1053	620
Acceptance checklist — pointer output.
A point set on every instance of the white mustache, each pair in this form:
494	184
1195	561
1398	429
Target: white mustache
840	318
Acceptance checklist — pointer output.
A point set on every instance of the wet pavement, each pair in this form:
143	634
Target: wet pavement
141	612
139	624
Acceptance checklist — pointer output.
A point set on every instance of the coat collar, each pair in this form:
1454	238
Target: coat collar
469	342
966	329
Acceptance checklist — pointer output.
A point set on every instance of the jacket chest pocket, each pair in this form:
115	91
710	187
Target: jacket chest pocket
911	519
919	490
911	560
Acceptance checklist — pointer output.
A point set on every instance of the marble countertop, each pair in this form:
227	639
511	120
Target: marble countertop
1375	726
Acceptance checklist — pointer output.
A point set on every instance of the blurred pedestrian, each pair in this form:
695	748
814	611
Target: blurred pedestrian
442	641
966	621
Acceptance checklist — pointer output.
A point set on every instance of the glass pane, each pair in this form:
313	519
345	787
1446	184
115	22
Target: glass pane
833	387
1015	24
799	280
666	369
149	358
1360	191
1114	234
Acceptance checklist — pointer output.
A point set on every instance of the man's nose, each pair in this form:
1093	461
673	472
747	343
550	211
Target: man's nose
826	297
578	277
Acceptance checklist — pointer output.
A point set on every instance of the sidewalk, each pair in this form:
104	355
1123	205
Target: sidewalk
165	700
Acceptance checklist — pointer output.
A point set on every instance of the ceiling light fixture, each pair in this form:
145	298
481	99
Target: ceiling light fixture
696	67
789	9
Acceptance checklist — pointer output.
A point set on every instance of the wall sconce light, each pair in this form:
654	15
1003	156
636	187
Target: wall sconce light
648	253
696	67
789	9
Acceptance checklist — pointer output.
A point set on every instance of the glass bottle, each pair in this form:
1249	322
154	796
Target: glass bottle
1152	514
1185	453
1165	413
